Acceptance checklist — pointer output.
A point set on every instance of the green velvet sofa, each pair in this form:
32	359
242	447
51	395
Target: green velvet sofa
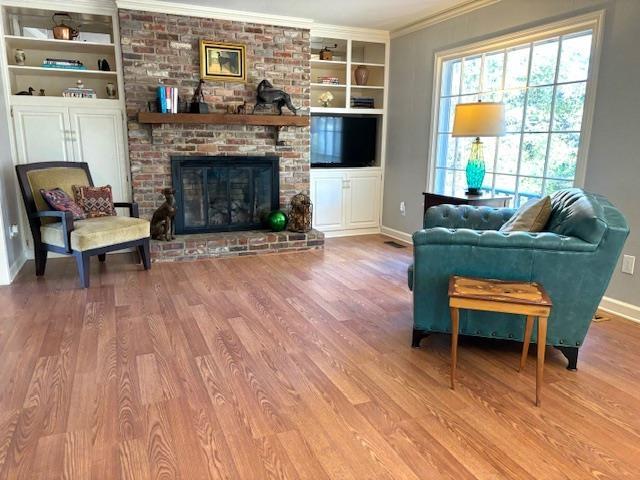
573	259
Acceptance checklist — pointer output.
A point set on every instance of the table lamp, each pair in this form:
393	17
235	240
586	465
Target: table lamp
478	119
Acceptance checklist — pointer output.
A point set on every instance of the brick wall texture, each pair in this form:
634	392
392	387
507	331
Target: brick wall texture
164	48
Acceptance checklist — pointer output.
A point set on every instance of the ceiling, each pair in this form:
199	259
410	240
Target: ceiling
379	14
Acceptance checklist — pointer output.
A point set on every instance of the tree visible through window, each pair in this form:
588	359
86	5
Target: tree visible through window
543	86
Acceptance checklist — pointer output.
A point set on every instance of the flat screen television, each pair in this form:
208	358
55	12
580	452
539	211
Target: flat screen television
343	140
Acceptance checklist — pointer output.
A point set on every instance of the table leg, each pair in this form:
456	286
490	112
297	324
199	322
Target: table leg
526	341
542	340
455	321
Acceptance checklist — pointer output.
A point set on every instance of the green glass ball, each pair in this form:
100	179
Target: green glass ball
277	220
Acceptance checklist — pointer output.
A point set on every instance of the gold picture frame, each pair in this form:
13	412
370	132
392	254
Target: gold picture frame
223	61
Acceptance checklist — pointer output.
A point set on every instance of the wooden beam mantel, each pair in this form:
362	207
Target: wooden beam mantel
224	119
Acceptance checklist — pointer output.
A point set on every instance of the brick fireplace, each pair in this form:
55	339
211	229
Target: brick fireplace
161	48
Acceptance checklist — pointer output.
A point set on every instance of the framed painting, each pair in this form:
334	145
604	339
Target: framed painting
222	61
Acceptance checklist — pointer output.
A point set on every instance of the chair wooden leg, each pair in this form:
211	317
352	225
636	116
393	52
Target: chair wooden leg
102	257
41	261
542	341
455	321
528	329
145	254
82	261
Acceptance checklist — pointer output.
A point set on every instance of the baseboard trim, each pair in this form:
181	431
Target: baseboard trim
16	266
351	233
621	309
397	235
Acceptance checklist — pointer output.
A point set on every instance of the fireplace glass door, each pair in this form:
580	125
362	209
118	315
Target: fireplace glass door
224	193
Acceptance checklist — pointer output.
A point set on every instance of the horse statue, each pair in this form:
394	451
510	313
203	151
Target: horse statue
267	95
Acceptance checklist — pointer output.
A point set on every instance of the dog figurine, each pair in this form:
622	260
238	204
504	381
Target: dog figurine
267	95
162	224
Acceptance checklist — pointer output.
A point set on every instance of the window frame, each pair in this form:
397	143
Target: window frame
591	21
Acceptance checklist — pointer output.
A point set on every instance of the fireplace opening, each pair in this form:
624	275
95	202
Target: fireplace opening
224	193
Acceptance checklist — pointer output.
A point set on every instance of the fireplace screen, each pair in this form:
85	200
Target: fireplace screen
216	194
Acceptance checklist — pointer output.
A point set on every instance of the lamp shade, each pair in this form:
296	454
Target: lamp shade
479	119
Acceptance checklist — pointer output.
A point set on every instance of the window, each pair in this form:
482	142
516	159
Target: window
543	84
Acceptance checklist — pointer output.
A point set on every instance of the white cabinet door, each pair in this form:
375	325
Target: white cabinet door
328	198
98	139
363	190
42	134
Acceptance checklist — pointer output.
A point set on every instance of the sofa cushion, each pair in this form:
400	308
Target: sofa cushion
575	213
97	232
530	217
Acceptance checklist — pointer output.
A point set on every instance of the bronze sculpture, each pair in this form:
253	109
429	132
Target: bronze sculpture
268	95
198	104
162	224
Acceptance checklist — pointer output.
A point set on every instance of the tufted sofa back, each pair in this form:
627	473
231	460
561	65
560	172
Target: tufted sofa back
575	213
464	216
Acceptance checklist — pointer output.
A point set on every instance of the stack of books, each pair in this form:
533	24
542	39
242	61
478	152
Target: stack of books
76	92
63	63
167	99
362	102
329	80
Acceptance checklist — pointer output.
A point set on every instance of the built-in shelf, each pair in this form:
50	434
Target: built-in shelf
348	111
328	85
371	87
328	63
59	72
224	119
48	44
365	64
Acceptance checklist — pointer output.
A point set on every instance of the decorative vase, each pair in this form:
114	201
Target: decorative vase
20	56
475	169
277	220
361	75
111	90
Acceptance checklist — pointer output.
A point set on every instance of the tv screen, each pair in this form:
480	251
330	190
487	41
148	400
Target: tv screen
343	141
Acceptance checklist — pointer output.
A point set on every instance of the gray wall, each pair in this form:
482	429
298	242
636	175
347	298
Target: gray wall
613	167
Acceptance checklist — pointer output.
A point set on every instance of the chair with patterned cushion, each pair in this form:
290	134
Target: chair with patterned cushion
57	231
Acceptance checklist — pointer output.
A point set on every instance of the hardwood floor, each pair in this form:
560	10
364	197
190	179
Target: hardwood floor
290	366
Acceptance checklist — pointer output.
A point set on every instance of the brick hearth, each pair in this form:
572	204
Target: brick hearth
227	244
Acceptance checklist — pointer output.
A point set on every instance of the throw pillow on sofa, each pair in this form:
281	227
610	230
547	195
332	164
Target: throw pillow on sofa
58	200
530	217
95	201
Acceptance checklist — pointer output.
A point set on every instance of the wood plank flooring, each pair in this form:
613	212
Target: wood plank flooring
286	367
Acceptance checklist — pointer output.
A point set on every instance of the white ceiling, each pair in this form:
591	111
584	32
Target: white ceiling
380	14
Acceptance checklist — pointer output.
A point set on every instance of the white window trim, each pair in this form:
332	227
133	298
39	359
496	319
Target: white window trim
592	20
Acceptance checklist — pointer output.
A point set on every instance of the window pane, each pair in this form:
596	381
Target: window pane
489	151
517	67
463	151
555	185
451	77
446	116
446	152
487	183
444	181
543	62
574	58
513	110
508	150
568	107
538	109
471	75
492	72
460	181
529	188
563	155
505	184
534	151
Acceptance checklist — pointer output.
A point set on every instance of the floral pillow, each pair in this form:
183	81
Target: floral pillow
94	201
58	200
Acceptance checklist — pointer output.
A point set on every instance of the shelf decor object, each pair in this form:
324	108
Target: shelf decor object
479	119
361	74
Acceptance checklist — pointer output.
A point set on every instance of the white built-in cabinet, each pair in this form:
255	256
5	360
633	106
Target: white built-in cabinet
346	201
75	134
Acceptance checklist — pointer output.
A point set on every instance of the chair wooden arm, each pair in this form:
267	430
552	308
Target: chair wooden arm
132	206
66	219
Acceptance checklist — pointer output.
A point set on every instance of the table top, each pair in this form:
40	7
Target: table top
461	194
522	293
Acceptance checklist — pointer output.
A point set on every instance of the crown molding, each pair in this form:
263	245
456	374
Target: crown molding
214	12
98	7
354	33
442	16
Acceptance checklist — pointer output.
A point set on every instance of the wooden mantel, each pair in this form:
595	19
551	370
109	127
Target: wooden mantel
224	119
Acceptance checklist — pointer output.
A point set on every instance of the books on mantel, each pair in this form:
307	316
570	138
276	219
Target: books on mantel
362	102
76	92
167	99
63	63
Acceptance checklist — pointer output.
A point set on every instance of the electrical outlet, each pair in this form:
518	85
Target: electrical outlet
403	210
628	264
13	231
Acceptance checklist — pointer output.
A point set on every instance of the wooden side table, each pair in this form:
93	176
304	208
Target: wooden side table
486	199
520	298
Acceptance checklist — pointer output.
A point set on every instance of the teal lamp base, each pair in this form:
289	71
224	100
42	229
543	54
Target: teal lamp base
475	169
